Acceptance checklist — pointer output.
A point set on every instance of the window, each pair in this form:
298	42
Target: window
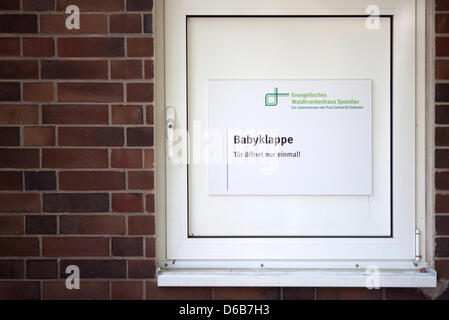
224	221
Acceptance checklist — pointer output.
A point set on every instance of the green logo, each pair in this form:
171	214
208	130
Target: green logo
272	99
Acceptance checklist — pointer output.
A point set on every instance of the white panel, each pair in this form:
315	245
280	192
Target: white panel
298	48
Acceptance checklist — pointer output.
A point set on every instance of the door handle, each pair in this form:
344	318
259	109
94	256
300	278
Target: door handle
170	119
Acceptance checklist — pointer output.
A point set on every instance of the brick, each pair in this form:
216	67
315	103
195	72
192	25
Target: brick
38	91
127	114
441	158
126	290
90	136
11	181
404	294
140	92
441	69
141	269
9	4
40	180
19	158
442	180
126	69
125	23
140	47
442	268
92	180
126	158
141	136
247	293
442	247
20	202
441	136
139	5
19	290
11	269
19	246
348	294
441	203
149	158
97	269
147	23
40	225
299	294
74	158
141	225
75	114
76	202
442	23
149	200
92	6
10	47
442	5
75	247
97	225
39	136
150	246
9	136
11	225
442	225
18	23
153	292
74	69
18	114
42	269
89	290
90	92
41	5
38	47
150	115
127	247
19	69
91	47
127	202
141	180
9	91
149	69
89	24
442	46
442	114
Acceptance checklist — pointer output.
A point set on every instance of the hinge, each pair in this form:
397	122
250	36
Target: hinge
418	256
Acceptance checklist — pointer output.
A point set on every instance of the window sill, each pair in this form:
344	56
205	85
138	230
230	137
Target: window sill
397	278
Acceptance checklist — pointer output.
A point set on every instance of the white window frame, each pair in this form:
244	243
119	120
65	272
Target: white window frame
339	273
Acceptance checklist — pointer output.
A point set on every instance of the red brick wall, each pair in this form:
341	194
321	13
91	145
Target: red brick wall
76	149
442	138
76	157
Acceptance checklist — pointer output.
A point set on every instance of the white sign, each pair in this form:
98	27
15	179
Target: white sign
291	137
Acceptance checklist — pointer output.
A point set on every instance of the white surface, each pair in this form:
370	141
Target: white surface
296	278
321	137
306	215
401	246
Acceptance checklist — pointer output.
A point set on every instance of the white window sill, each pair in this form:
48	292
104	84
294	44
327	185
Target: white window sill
397	278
